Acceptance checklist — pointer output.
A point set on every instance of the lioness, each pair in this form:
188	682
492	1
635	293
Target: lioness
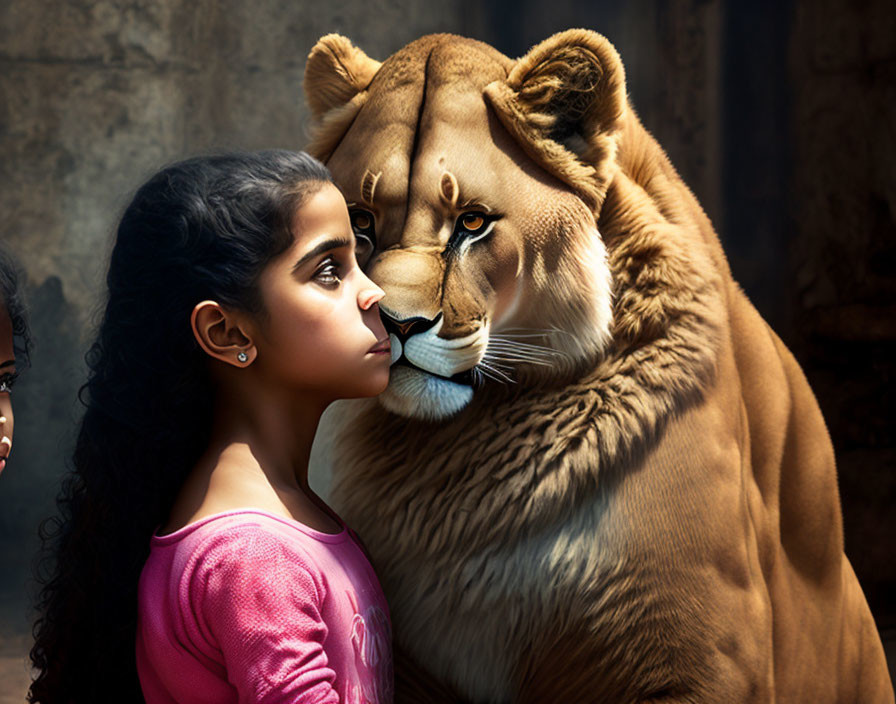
596	475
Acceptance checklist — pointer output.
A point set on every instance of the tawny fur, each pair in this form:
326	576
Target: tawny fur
655	515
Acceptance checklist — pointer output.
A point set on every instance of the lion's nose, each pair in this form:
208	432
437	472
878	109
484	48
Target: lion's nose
403	328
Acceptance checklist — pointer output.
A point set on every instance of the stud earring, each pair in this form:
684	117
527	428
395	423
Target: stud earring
243	357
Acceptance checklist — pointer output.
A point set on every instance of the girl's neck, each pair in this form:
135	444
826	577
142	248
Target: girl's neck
275	432
257	457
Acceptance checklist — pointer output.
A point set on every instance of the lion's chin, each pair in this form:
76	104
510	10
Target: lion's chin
413	393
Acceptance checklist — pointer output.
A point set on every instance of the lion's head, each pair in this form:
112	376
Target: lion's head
473	182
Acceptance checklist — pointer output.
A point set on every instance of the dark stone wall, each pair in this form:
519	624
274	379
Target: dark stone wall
842	261
779	115
95	96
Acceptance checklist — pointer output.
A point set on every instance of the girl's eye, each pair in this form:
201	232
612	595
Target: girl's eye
328	274
7	381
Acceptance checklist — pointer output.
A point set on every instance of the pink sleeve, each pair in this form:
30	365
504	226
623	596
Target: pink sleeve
259	598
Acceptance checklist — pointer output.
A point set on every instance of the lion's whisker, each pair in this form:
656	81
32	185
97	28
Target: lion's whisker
495	362
492	373
523	360
510	355
530	332
535	349
515	353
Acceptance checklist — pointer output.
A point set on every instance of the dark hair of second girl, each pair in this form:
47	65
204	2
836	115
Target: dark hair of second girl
201	229
12	297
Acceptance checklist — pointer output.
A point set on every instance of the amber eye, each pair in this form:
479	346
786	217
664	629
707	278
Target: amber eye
472	222
471	227
365	235
361	220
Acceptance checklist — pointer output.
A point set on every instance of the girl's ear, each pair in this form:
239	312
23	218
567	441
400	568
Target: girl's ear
220	333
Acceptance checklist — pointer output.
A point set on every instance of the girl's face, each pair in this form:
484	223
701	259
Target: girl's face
7	377
321	332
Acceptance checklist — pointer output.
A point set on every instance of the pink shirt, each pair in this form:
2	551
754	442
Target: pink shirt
246	606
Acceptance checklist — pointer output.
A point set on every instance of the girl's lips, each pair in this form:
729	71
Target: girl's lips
381	347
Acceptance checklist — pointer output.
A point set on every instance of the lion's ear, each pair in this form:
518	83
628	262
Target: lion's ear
335	73
564	102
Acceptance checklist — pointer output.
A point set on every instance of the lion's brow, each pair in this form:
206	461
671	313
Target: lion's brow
449	191
448	188
368	186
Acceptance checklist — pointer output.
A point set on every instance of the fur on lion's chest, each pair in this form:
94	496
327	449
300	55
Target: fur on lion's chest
476	623
500	553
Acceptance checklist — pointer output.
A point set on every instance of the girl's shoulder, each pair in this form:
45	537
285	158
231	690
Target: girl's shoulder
240	569
246	521
243	540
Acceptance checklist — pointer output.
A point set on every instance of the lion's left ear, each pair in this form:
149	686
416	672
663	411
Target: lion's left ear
335	73
564	102
336	78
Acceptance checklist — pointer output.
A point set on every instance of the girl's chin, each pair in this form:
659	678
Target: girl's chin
371	383
380	382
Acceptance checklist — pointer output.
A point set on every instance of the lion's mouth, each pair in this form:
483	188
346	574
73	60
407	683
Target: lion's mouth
465	377
414	392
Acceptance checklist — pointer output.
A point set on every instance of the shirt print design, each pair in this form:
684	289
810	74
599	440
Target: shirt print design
371	637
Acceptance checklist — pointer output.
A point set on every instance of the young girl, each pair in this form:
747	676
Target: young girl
236	313
14	345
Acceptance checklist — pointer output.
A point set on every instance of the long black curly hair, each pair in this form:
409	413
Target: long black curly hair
12	297
200	229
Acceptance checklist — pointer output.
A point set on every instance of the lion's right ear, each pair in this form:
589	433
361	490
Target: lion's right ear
564	103
335	73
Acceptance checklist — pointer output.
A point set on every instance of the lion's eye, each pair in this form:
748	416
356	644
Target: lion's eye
365	234
472	222
361	220
469	228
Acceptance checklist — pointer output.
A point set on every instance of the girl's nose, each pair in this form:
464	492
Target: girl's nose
369	294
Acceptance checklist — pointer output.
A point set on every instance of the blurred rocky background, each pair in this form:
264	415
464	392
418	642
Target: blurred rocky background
780	115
